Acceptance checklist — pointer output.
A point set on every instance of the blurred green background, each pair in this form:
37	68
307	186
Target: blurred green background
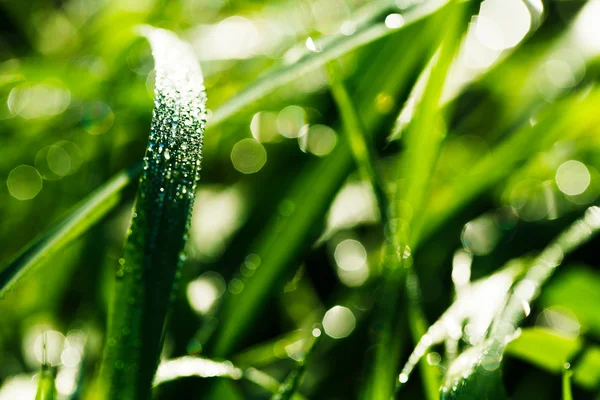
76	88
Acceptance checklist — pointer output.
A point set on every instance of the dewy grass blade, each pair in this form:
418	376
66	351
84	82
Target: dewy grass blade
475	306
147	273
185	367
475	372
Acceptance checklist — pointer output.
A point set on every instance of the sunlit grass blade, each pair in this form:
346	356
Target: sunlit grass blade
148	270
289	387
84	216
477	371
460	75
184	367
476	305
332	49
423	142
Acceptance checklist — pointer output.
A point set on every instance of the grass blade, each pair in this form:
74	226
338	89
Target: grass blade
311	195
418	323
334	48
422	146
183	367
567	393
85	215
288	388
362	151
475	305
46	387
153	253
554	121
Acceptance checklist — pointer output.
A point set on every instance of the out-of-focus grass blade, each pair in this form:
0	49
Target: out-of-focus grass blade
554	121
360	146
422	147
458	78
85	215
283	243
153	253
418	323
578	290
364	158
288	388
331	50
424	137
46	387
553	352
544	347
170	370
477	371
567	393
587	369
183	367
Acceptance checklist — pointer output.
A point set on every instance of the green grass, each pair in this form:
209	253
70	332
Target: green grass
313	266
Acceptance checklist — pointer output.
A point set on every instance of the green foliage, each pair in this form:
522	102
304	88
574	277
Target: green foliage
468	138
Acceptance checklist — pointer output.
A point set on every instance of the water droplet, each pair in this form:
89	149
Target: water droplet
394	21
403	378
407	252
